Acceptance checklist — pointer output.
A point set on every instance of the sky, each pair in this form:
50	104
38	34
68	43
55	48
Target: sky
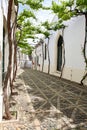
21	7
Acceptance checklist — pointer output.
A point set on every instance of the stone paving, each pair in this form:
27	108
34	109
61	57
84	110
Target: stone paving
45	102
21	103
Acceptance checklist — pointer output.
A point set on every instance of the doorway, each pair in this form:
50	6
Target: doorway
3	55
59	53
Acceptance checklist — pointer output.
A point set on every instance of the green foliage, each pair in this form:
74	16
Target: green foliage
46	8
47	25
46	33
58	26
34	4
25	28
64	10
26	14
68	3
39	31
55	7
52	26
81	2
68	9
25	47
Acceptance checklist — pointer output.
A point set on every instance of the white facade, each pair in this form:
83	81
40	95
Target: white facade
73	37
37	58
22	59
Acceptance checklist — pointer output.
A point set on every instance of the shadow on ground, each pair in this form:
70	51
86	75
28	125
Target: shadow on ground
53	97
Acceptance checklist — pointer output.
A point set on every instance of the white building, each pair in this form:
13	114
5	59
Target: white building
22	59
65	46
37	57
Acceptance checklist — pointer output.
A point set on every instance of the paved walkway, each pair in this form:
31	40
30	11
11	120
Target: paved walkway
45	102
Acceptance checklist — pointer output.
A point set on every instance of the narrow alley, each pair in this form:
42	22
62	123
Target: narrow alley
46	102
43	65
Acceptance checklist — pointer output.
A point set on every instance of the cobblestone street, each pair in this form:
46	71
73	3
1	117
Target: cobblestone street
55	98
46	102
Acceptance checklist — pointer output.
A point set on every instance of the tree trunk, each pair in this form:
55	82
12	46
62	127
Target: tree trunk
14	68
15	52
84	49
15	49
7	77
8	74
42	57
63	54
48	58
15	62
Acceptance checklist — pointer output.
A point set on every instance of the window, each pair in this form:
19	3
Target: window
3	55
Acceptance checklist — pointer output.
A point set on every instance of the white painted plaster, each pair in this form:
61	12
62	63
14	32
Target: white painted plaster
74	35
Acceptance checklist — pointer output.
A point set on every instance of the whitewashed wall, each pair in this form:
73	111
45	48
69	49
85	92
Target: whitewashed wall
5	7
37	53
22	59
74	35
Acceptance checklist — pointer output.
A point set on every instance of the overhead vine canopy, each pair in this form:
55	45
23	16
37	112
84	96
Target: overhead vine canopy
65	10
34	4
26	28
25	48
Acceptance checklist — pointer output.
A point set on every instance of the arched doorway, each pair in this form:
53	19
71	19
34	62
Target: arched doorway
59	53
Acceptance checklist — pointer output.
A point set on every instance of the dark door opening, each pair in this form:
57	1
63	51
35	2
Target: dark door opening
59	53
3	55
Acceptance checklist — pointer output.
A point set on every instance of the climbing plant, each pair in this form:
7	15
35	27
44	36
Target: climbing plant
8	74
26	29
